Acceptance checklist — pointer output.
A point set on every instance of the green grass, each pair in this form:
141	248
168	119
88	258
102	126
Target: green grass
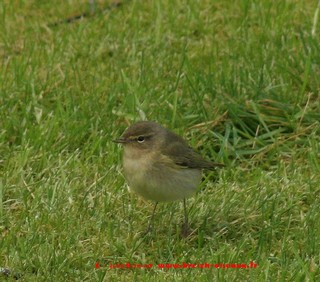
239	80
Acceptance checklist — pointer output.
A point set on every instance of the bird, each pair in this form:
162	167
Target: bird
160	166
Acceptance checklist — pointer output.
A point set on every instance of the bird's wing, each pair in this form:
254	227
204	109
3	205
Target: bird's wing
184	156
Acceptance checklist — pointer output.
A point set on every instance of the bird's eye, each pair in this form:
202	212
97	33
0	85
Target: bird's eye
140	139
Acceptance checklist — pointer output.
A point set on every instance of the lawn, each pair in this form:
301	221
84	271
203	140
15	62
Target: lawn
240	80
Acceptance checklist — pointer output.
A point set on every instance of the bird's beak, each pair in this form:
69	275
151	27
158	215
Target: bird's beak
120	140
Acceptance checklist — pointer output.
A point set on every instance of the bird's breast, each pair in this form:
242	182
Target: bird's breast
153	179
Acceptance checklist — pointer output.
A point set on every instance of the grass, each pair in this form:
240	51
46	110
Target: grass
239	82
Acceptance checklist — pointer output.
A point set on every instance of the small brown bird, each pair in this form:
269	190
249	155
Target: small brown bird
160	166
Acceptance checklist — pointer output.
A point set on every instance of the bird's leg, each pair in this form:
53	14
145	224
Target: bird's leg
185	228
151	219
92	6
